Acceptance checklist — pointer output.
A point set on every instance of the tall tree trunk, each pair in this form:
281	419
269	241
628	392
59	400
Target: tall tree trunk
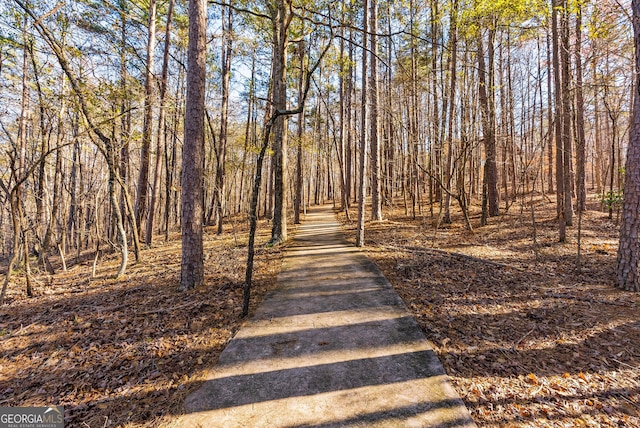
550	119
280	20
628	262
143	177
580	137
389	145
453	46
567	146
249	136
504	125
488	127
211	158
412	112
57	181
511	125
161	126
597	131
558	123
192	267
171	194
374	125
18	170
437	142
301	119
612	163
125	112
342	119
227	47
42	171
363	133
349	161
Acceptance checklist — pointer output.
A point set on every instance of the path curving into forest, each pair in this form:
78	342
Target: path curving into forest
332	346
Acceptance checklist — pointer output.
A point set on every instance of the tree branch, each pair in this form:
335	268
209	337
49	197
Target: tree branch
241	9
62	60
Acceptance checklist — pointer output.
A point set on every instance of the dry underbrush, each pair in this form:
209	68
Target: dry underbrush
126	352
526	342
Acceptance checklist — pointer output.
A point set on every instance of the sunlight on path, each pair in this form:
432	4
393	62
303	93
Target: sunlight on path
332	346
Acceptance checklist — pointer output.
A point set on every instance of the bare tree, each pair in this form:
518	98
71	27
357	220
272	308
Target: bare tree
558	123
104	143
297	202
227	50
161	125
145	153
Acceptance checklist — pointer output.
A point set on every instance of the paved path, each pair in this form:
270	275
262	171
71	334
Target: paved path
332	346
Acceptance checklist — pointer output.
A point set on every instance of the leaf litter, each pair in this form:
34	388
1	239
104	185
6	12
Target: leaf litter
126	352
526	342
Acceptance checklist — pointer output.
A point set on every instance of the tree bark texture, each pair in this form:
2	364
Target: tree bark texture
374	125
628	263
281	20
145	153
580	134
363	135
488	128
192	267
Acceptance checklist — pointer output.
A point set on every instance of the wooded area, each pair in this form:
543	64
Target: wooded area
422	105
128	124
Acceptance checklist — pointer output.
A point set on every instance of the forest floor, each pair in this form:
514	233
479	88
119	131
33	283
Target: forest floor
528	341
126	352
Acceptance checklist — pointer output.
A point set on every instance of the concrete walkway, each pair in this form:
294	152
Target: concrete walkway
332	346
